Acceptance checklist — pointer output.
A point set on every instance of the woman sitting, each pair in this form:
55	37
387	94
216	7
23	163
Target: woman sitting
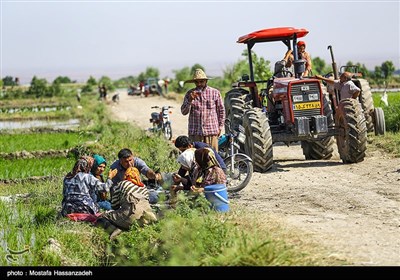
80	187
209	170
130	203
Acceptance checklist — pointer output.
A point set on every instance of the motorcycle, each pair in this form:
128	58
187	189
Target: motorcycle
161	121
239	166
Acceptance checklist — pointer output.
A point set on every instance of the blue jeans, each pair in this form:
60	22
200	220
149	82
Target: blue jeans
153	196
104	204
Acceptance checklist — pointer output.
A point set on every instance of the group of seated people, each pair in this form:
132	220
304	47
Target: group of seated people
116	202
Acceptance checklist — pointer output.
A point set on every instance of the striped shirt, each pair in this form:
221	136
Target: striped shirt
206	112
124	189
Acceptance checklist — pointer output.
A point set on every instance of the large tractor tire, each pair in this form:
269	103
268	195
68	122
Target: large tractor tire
352	131
234	111
234	106
258	144
379	121
234	93
367	104
323	149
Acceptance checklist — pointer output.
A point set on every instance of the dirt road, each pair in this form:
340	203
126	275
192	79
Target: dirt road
354	210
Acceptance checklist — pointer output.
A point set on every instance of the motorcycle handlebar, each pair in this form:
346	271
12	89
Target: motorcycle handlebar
158	107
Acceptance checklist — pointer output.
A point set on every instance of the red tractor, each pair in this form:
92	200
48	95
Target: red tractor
293	109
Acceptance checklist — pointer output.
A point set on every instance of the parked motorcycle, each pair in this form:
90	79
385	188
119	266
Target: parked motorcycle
161	121
239	166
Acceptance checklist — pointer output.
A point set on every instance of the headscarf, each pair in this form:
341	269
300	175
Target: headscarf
186	159
97	161
132	174
83	164
205	158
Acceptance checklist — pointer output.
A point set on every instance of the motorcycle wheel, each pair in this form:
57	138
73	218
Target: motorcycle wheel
238	175
168	131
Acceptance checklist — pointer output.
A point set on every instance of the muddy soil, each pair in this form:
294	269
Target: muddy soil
352	209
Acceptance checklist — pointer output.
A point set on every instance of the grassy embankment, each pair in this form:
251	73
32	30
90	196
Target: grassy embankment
186	236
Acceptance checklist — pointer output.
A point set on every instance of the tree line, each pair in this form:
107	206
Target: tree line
39	87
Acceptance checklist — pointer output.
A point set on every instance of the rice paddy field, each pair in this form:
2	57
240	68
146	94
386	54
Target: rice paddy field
190	235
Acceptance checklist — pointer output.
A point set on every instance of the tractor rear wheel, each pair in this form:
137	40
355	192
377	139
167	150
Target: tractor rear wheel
258	144
322	149
233	103
352	131
367	104
379	121
234	93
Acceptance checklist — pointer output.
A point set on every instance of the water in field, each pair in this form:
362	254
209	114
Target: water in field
34	109
10	124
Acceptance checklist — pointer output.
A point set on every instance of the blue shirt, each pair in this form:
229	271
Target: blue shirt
138	163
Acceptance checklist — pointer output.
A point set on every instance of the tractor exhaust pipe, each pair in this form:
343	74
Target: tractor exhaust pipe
334	67
335	97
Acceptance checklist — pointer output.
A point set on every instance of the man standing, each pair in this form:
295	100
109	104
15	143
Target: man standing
345	86
206	111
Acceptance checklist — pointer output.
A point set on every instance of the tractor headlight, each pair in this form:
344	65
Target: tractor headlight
297	98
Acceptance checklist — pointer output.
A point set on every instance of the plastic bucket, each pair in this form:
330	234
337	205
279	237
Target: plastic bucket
217	195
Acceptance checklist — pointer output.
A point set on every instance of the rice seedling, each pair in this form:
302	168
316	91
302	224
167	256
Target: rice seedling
24	168
43	141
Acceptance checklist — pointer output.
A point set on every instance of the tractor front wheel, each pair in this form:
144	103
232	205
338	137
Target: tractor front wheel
322	149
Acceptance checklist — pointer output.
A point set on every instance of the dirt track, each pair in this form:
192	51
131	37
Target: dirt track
353	209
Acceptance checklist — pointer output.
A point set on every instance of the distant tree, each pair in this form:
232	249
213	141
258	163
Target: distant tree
91	81
126	81
150	72
262	68
55	89
107	82
181	75
62	80
38	87
378	75
387	68
8	81
320	67
234	72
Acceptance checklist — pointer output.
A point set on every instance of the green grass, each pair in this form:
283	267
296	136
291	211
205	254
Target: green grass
190	235
24	168
390	143
392	112
42	141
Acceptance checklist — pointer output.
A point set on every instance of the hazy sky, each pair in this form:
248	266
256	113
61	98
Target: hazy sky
121	38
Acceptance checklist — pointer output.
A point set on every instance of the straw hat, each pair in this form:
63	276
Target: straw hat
198	75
